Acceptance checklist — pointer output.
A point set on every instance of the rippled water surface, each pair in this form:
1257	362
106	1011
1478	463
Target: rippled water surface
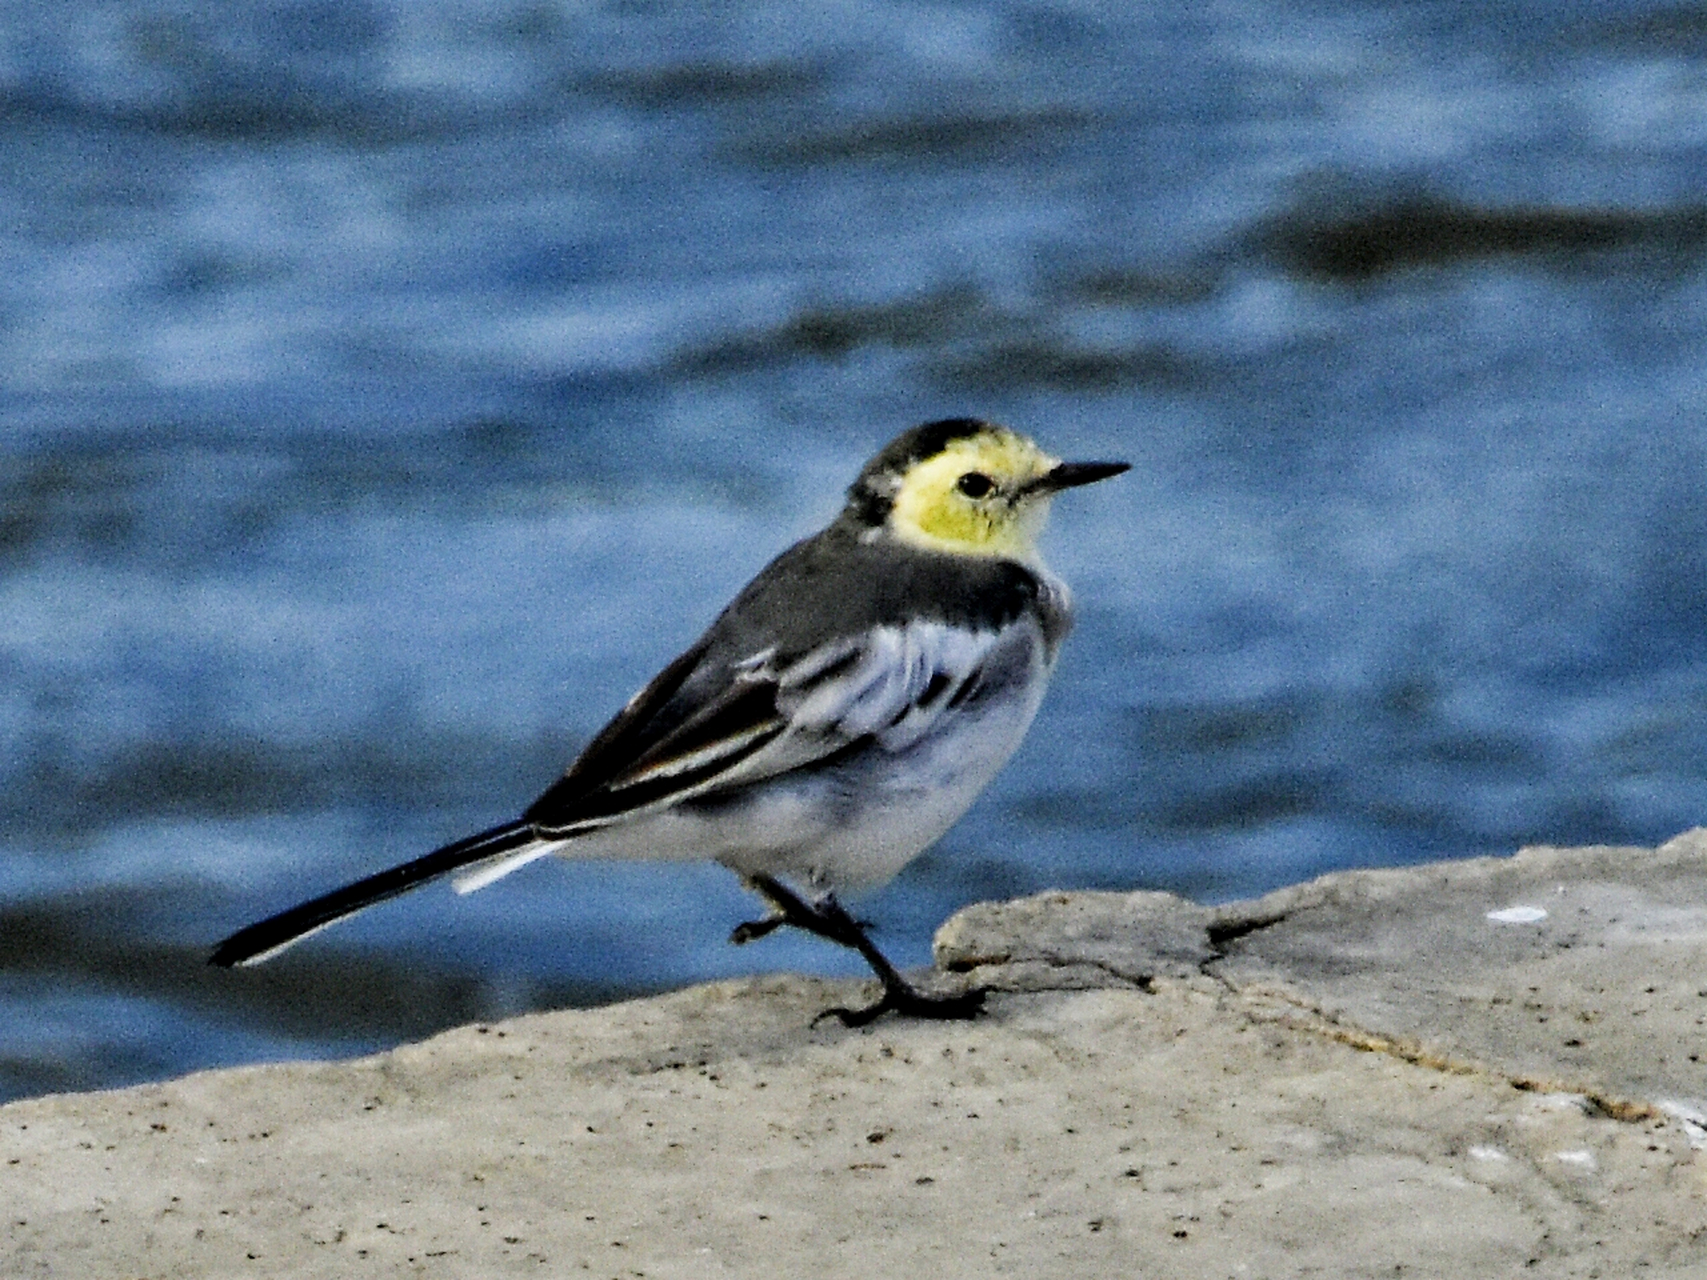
386	391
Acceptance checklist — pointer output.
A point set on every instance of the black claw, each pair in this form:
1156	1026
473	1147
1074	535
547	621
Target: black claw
852	1017
755	929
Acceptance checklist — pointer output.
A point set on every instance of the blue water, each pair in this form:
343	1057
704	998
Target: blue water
386	391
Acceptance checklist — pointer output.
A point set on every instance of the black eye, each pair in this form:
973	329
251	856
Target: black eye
975	484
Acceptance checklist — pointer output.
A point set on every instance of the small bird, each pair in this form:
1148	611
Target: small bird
835	720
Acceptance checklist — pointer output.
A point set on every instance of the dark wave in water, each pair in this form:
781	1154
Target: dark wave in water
1421	231
968	345
937	139
177	498
68	947
60	791
242	113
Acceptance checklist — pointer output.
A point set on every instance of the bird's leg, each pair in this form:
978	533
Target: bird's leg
830	920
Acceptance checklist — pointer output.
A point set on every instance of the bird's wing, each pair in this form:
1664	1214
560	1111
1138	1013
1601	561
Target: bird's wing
701	727
764	715
893	684
691	723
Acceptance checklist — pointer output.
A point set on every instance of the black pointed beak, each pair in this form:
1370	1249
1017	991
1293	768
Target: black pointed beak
1070	475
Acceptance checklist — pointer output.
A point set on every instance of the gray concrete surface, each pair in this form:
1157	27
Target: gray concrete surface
1369	1075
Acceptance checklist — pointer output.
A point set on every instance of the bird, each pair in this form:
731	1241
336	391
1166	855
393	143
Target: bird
839	715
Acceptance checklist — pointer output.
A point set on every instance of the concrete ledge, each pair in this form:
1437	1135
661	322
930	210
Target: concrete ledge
1407	1072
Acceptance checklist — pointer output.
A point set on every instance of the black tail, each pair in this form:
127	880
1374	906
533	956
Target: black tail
275	933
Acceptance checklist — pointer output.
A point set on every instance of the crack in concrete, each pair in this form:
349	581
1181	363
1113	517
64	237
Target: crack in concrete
1297	1013
1144	981
1050	970
1219	933
1319	1022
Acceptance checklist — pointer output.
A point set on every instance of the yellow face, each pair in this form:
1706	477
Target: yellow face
975	497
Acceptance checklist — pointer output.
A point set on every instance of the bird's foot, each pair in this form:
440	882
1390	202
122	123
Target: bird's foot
910	1002
829	919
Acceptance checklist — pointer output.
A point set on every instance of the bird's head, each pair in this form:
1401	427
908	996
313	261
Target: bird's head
965	487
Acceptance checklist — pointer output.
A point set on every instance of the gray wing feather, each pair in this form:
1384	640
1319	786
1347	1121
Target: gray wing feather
890	684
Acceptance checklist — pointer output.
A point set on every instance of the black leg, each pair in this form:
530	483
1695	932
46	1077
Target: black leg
829	920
